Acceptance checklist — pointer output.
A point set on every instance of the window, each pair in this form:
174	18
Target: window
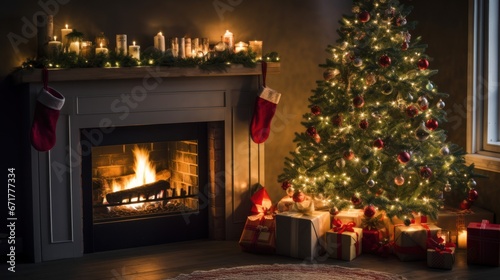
483	114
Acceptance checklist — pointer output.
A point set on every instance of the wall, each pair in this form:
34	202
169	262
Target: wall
299	30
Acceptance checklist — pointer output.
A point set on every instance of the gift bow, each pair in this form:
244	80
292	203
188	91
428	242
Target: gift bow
261	228
340	227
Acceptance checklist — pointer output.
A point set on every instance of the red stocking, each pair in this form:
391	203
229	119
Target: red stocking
43	130
265	107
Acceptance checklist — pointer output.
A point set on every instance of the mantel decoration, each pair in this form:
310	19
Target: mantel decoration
74	52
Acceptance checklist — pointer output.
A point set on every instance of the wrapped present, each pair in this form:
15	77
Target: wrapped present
301	235
351	215
411	242
441	257
259	235
344	241
483	243
455	220
371	240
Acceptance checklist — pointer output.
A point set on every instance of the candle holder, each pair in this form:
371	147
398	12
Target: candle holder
101	40
75	41
256	47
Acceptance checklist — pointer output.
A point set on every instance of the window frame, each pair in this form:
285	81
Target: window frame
483	98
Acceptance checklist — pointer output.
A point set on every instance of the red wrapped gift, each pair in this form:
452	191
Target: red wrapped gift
483	243
441	258
371	240
259	235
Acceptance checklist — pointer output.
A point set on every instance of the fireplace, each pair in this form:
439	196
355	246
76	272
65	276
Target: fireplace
148	183
110	111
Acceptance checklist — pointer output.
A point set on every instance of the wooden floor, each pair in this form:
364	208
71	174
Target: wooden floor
169	260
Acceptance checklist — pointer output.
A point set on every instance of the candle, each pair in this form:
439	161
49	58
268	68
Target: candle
101	50
86	48
187	43
160	42
256	47
54	46
462	239
205	45
182	48
64	38
175	47
74	47
121	43
240	47
228	39
134	51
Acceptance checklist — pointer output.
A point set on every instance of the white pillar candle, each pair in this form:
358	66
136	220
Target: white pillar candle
74	47
121	43
240	47
228	39
54	46
182	48
187	51
64	33
195	43
135	51
462	239
256	47
175	47
101	50
160	42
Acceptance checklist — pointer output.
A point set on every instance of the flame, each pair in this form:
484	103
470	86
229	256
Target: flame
145	171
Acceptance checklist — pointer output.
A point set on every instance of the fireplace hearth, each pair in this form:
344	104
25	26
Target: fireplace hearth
74	207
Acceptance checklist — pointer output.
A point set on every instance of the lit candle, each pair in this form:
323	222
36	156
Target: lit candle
64	32
256	47
187	42
240	47
462	239
54	46
182	48
175	47
74	47
121	43
228	39
101	50
160	42
135	51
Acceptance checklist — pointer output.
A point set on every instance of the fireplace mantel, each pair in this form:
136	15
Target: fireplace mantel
119	73
133	96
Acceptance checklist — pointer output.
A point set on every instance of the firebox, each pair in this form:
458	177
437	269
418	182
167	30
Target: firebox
144	185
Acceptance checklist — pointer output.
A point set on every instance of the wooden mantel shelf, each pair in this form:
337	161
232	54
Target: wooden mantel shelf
112	73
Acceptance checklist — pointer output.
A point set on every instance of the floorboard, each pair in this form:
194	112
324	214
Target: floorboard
169	260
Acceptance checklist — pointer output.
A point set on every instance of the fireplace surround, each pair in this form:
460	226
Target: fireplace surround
105	100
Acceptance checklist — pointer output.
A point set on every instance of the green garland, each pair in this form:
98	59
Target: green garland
213	61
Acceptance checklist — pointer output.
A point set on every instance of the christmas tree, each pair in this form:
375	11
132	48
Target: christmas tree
372	134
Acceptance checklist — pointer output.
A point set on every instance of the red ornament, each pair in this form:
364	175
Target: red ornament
298	196
384	61
411	111
379	144
473	195
337	120
316	110
404	157
364	16
423	64
363	124
311	131
431	124
358	101
285	185
355	200
465	204
370	211
348	155
425	172
404	46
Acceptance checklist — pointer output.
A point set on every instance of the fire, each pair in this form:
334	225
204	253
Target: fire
145	172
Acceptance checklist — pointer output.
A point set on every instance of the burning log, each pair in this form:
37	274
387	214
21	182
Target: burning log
139	194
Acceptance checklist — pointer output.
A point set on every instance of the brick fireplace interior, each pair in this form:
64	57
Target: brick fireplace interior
151	184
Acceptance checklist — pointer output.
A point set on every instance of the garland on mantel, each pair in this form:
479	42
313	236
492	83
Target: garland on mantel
213	61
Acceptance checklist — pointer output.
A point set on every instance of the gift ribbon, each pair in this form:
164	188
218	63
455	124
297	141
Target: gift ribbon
339	228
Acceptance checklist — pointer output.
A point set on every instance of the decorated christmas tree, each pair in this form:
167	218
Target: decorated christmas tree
372	132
